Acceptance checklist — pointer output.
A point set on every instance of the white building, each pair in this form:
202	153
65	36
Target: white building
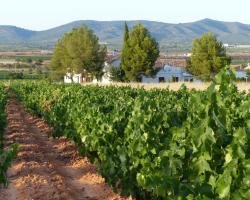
106	75
169	74
77	78
241	74
106	78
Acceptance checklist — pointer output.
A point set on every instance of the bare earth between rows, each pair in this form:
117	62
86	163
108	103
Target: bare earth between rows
48	168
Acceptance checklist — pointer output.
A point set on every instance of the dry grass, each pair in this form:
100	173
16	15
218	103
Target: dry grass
7	61
173	86
243	86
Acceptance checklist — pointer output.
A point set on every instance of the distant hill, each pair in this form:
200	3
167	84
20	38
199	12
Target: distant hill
170	36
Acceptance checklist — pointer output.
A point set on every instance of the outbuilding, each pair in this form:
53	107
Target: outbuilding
169	74
77	78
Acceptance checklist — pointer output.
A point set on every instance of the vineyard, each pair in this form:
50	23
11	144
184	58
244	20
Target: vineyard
5	156
156	144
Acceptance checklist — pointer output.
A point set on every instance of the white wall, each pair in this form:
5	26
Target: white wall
168	72
77	78
150	80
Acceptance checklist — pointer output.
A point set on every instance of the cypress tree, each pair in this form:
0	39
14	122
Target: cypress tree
139	53
125	51
125	46
126	32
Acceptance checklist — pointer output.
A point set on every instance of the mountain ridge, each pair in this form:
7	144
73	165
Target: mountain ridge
170	36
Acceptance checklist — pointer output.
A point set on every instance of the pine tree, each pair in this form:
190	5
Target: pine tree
79	51
208	57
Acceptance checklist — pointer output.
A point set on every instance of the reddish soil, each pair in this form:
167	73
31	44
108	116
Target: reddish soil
48	168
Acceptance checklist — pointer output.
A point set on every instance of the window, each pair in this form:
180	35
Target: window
175	79
161	79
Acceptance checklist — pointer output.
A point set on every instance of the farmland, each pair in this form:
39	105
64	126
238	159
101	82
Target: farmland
47	168
242	86
24	65
154	144
5	156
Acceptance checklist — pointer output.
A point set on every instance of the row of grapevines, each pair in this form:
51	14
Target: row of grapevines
159	143
6	157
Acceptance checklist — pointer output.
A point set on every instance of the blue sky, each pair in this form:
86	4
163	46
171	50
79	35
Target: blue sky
45	14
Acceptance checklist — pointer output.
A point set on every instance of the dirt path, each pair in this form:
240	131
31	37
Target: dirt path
48	168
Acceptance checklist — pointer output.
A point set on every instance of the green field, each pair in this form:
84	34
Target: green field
6	75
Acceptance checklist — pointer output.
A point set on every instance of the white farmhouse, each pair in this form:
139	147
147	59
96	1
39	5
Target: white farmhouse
241	74
106	75
169	74
77	78
106	71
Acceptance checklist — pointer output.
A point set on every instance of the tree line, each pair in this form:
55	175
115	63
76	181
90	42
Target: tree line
79	52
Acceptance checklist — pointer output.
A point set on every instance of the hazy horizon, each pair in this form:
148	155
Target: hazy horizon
42	15
117	20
